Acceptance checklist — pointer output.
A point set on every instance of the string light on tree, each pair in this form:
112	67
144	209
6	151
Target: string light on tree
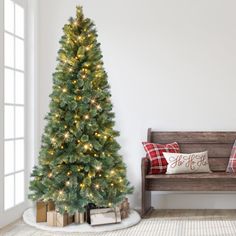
66	135
51	152
98	168
53	140
86	117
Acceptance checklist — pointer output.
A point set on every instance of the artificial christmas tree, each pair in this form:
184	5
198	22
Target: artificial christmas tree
79	161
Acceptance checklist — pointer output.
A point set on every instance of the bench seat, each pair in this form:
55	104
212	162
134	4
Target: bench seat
218	181
214	175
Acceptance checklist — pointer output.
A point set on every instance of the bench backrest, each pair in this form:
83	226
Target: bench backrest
218	144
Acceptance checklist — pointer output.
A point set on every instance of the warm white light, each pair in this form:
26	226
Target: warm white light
98	167
53	140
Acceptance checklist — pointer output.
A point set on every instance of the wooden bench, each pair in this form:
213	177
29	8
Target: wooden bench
218	145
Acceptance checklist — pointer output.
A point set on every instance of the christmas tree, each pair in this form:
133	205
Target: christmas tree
79	161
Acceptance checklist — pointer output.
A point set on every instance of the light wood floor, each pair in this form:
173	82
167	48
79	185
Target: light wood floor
205	214
19	228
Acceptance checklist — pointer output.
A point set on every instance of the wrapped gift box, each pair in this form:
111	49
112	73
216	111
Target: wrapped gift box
62	219
50	206
70	219
41	210
105	216
52	218
79	217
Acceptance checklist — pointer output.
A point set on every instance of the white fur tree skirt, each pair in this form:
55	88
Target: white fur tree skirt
29	218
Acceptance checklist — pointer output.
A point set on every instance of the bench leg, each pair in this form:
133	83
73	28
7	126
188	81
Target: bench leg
146	195
146	203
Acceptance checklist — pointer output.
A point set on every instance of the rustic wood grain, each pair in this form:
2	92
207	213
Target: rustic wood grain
193	137
214	149
146	195
218	164
213	175
191	184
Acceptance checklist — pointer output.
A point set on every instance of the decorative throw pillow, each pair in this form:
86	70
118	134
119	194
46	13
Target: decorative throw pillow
187	163
158	163
232	160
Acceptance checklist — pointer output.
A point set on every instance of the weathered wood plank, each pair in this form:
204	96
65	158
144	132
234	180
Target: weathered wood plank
214	150
193	137
197	184
149	133
179	177
218	164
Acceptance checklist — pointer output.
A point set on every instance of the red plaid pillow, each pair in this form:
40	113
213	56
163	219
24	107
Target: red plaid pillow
232	160
155	153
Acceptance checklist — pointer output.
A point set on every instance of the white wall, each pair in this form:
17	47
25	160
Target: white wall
171	66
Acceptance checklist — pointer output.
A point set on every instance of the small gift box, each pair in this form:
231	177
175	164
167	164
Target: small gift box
105	216
42	208
62	219
52	218
79	217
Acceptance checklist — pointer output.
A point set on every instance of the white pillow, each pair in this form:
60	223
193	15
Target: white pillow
187	163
